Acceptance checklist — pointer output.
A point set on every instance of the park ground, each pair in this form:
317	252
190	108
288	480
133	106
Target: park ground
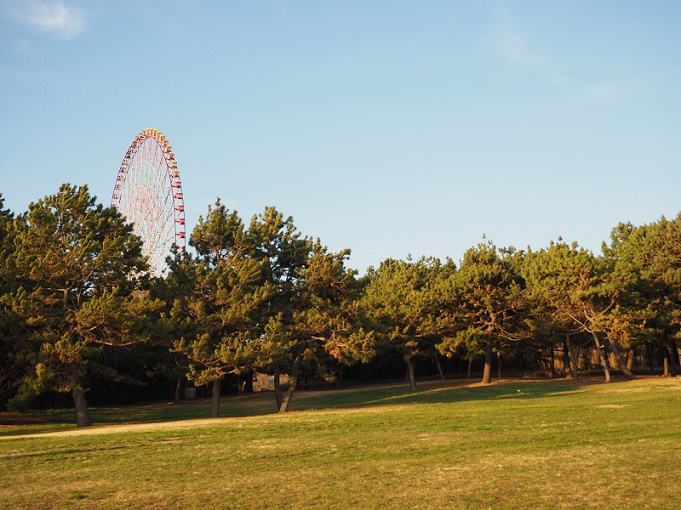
513	444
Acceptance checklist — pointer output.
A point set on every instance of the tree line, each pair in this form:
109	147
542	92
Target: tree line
82	315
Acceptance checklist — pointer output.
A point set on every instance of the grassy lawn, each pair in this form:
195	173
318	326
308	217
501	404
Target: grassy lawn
510	445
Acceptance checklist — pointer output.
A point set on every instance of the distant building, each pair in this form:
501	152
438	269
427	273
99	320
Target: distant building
265	382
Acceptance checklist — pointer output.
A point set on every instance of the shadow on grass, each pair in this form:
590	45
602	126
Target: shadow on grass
249	405
433	393
429	392
52	420
53	453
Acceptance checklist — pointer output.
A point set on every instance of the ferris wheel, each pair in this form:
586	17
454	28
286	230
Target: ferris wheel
148	192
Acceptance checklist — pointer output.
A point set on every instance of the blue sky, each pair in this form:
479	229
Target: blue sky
389	127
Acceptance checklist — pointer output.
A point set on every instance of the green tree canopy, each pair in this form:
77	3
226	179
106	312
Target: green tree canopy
403	298
645	261
580	289
222	305
310	315
489	305
10	325
81	273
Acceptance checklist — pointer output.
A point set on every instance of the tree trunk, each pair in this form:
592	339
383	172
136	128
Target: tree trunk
601	356
672	362
487	371
82	414
215	404
291	387
239	385
615	345
470	368
410	373
665	363
567	370
572	357
178	391
553	361
248	382
277	385
675	352
630	358
651	357
439	365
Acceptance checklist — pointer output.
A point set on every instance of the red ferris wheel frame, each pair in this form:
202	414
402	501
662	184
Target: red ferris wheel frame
148	192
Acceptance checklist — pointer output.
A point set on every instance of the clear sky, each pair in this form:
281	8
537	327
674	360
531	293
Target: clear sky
388	127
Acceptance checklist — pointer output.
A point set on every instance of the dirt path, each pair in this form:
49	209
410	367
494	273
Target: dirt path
121	429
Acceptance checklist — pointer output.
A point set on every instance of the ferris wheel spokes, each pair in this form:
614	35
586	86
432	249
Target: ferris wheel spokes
148	191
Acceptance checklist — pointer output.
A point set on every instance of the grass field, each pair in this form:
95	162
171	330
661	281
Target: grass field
510	445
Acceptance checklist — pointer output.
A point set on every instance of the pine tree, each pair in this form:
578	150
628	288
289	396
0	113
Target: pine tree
489	305
645	262
580	290
220	312
404	303
311	315
81	272
11	327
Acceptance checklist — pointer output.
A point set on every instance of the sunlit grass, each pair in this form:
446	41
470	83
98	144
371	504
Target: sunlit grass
512	445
